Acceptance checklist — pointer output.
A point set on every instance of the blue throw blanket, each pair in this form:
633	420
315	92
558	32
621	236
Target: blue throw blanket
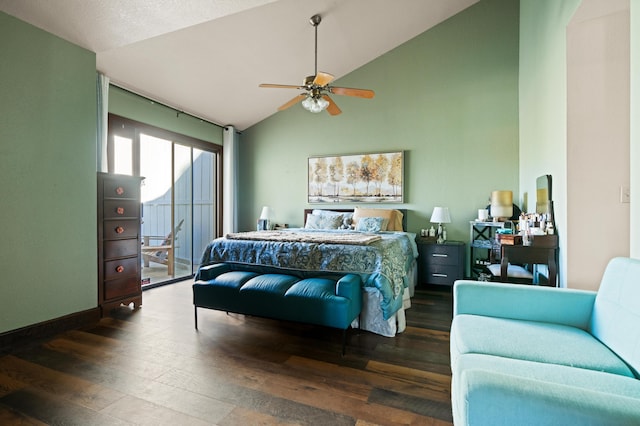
384	264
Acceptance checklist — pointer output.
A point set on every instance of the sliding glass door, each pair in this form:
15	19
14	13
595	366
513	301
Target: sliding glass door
180	211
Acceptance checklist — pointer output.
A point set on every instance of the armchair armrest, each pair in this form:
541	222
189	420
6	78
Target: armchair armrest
524	302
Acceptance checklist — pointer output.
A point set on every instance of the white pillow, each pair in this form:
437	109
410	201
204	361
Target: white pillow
513	271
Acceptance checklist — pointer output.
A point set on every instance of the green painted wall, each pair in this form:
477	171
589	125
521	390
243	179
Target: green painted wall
47	170
448	97
134	107
543	104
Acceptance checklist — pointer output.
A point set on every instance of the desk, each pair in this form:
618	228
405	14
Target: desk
543	250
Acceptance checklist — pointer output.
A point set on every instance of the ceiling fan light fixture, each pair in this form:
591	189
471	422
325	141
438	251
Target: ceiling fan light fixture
315	105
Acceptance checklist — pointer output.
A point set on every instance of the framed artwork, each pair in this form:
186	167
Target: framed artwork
359	178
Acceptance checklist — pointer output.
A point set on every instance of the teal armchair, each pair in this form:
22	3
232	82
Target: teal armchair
529	355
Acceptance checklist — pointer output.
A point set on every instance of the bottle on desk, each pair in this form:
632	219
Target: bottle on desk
550	229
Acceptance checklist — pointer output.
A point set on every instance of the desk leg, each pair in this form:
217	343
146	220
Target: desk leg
553	272
504	268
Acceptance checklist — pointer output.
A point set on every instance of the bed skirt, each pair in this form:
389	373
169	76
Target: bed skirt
371	318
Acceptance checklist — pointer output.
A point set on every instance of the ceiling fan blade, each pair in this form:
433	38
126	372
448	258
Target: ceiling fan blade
346	91
332	108
280	86
322	79
292	102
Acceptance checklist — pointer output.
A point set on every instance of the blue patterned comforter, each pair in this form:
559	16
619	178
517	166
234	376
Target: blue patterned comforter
384	264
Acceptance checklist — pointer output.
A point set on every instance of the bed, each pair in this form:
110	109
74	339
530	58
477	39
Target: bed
370	242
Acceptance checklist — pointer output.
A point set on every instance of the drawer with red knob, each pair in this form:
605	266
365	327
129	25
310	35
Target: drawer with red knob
121	188
117	229
121	268
121	209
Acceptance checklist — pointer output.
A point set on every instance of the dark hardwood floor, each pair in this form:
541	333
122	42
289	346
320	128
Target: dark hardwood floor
152	367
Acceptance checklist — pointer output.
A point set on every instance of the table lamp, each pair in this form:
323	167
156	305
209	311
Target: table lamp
264	221
501	205
440	215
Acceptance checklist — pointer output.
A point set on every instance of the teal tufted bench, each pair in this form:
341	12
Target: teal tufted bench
332	300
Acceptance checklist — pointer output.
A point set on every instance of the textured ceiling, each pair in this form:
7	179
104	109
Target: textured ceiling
207	57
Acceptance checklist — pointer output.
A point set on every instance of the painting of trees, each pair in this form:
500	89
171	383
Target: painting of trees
353	172
395	173
356	178
336	174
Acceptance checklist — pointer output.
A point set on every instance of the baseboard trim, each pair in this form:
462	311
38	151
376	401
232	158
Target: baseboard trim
33	333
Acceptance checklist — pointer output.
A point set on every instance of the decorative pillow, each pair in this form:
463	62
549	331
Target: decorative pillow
394	217
323	221
371	224
347	222
320	212
513	271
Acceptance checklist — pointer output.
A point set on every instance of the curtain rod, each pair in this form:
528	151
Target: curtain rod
178	111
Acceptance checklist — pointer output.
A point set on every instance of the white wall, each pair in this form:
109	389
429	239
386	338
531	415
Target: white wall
598	126
634	226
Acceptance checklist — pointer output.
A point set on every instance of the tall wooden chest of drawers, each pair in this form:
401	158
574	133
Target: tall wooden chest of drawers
119	254
440	264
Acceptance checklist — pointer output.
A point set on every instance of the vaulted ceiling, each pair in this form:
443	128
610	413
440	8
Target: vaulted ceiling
207	57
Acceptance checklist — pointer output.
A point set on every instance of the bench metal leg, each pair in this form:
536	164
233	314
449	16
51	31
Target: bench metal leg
195	315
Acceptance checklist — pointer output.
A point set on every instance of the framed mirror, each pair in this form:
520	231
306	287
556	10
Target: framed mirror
544	199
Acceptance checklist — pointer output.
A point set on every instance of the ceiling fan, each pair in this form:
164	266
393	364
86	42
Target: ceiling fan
316	87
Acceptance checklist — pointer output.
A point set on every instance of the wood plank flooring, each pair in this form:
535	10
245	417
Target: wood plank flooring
152	367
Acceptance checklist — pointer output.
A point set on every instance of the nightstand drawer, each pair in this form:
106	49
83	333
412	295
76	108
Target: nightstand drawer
440	264
444	275
442	254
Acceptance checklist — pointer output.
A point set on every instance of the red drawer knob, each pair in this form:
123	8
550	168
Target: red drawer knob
119	269
120	210
119	190
119	230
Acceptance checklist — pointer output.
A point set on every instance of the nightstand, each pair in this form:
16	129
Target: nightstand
440	264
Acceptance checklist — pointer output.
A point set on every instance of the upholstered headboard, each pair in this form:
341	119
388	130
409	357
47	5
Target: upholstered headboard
403	211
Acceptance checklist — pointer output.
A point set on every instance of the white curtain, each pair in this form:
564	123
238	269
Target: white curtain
102	98
230	140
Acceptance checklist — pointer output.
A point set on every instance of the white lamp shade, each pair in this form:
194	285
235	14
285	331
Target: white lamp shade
440	215
265	213
501	211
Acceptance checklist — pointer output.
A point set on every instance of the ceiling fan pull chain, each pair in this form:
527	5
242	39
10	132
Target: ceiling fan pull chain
316	56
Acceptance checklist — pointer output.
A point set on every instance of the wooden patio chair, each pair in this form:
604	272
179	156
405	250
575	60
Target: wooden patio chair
162	253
